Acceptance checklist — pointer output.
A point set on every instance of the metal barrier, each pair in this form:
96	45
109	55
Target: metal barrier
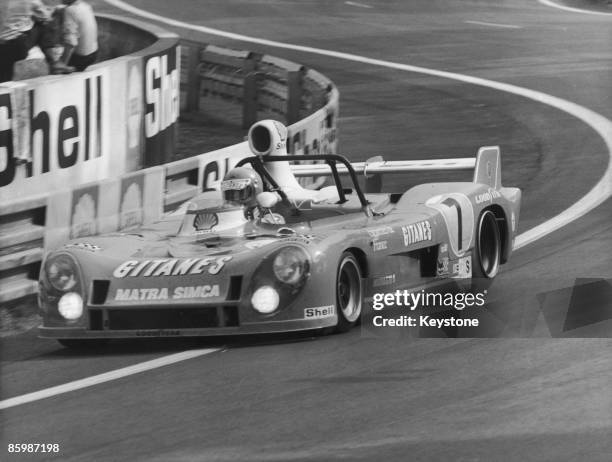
22	230
264	85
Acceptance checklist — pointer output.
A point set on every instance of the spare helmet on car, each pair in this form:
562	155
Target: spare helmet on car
241	185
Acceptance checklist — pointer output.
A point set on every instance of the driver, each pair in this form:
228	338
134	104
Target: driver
241	186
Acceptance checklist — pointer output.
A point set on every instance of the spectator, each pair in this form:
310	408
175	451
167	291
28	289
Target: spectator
23	24
80	35
47	34
15	28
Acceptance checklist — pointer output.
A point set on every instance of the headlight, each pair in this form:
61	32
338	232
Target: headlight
70	306
62	273
265	300
290	265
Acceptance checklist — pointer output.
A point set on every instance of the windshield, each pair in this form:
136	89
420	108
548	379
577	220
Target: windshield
216	220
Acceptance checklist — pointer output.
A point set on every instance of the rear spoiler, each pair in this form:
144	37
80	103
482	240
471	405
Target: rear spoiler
486	166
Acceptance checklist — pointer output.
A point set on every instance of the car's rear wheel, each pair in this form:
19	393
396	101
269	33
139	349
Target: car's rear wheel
82	344
487	250
349	292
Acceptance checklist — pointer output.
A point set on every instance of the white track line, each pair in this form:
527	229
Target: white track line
106	377
600	192
358	5
573	10
493	24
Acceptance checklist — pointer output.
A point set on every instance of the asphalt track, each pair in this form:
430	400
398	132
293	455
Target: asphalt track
359	396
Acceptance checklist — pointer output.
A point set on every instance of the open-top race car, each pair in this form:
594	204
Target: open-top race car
265	254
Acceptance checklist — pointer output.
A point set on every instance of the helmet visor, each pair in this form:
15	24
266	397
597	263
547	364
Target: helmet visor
237	190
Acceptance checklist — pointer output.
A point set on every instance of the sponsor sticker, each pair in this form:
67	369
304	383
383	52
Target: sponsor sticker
170	266
382	231
128	295
489	196
205	222
301	238
83	246
462	268
204	291
319	312
417	232
442	267
379	245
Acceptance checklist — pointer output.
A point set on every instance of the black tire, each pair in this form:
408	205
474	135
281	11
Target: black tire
349	292
82	344
487	251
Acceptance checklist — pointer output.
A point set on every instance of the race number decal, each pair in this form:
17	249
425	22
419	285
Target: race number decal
458	213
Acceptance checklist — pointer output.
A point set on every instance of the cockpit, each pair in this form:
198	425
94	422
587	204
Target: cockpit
262	191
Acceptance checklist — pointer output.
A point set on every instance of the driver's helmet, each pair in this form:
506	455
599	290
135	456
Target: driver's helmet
241	185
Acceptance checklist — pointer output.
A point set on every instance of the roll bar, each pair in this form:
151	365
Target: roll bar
258	164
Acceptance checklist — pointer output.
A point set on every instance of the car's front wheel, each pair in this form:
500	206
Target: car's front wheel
349	292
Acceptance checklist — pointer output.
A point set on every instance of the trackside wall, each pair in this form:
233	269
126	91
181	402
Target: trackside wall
60	137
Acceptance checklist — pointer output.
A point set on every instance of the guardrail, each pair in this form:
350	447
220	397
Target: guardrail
262	85
265	86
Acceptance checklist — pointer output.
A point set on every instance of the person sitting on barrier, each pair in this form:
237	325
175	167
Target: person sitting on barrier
24	24
47	34
80	35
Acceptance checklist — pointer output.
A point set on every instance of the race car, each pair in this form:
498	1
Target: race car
266	255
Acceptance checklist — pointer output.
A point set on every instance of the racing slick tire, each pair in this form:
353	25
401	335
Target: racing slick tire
82	344
487	251
349	292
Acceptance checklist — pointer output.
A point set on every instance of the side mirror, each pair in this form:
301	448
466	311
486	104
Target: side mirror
267	199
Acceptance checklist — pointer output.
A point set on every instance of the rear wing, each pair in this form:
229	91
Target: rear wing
486	166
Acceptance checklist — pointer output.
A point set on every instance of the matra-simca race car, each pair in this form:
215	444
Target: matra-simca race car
266	255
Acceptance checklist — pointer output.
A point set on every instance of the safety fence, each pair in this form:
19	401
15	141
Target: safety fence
262	85
35	218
